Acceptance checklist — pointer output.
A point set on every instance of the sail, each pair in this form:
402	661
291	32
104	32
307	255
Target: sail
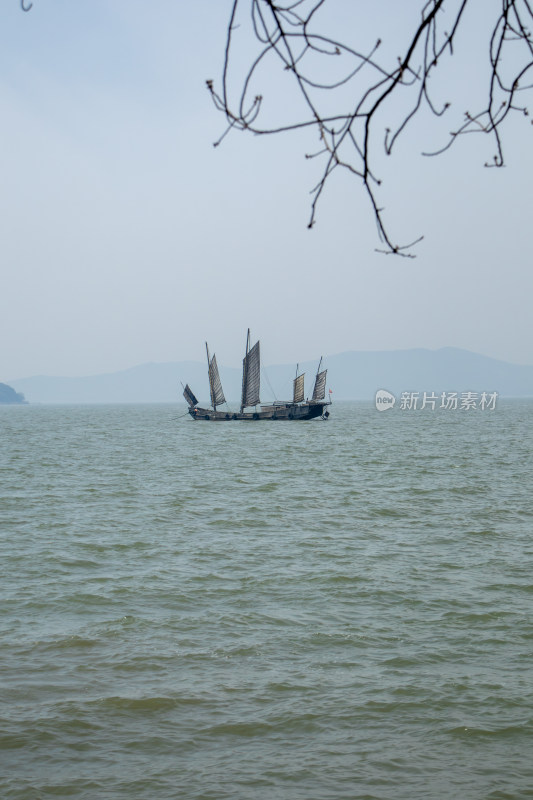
251	377
189	396
217	393
299	389
319	392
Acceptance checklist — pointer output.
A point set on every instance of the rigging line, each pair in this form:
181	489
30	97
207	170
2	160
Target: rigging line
265	375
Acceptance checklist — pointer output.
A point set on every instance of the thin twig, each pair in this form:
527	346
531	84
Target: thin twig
289	31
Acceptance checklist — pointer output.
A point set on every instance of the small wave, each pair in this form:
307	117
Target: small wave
505	732
147	704
72	642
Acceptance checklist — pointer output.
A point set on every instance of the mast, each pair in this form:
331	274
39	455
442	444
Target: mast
319	390
245	371
213	399
298	387
215	386
251	375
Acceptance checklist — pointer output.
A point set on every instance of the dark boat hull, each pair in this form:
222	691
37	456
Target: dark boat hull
278	412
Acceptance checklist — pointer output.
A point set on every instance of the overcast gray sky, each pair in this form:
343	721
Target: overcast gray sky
126	237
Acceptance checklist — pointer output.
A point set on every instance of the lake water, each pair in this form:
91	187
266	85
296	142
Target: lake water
258	611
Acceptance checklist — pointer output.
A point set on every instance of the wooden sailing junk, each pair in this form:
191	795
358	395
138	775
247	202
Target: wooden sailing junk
298	409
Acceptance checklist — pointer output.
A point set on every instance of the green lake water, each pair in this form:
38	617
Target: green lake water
266	611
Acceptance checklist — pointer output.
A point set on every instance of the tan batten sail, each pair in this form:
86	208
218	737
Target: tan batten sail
298	394
189	396
215	385
319	392
251	376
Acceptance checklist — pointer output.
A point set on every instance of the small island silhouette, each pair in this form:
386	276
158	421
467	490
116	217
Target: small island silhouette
8	396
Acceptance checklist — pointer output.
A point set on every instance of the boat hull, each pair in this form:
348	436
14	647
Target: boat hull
289	412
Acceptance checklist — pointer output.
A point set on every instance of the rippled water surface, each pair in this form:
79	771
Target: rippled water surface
289	611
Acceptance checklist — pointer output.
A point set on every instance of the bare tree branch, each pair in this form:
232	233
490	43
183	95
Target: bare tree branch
287	30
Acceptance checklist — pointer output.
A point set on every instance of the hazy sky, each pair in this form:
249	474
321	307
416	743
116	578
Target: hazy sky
126	237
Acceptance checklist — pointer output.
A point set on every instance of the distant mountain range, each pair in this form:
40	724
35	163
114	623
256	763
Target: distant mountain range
351	376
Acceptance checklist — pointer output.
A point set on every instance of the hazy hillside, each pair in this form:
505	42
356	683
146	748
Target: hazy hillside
352	375
8	396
